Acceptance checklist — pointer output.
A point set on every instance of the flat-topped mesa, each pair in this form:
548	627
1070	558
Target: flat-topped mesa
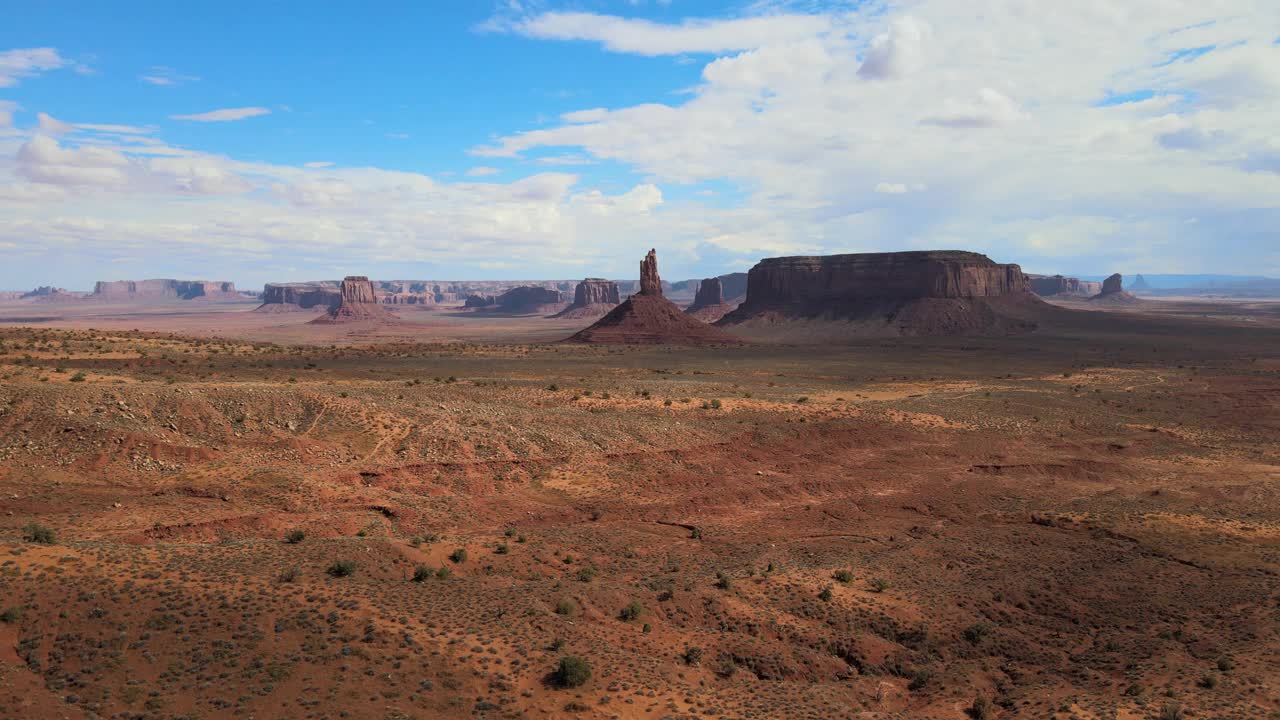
650	283
288	296
649	318
163	289
592	297
935	292
358	301
530	299
1049	286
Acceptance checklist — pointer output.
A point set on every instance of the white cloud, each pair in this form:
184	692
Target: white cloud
991	108
318	164
224	115
482	171
896	52
642	37
891	188
166	77
27	62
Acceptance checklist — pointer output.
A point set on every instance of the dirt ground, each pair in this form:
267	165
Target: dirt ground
253	517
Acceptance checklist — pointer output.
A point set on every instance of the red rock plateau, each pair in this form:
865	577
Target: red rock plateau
649	318
1113	292
593	298
936	292
709	305
358	303
133	290
1057	285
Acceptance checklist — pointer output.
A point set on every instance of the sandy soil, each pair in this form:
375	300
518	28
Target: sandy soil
1080	522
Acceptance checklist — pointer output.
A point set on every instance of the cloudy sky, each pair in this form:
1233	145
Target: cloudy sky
539	139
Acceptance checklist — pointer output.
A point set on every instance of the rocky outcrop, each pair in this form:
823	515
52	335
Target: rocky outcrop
593	297
650	283
1113	292
479	301
357	302
530	299
1057	285
649	318
709	305
292	296
939	292
163	289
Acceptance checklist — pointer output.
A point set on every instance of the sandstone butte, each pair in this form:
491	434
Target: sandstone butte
1049	286
935	292
593	297
649	318
708	304
357	302
1113	291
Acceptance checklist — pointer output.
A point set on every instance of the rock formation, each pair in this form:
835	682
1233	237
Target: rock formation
709	305
1140	284
1113	292
649	318
940	292
593	297
164	289
292	296
1049	286
478	301
530	299
357	302
408	298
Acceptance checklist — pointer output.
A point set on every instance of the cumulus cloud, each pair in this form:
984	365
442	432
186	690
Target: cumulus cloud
224	115
897	52
27	62
991	108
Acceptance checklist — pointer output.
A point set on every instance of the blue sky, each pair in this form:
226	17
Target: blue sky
286	141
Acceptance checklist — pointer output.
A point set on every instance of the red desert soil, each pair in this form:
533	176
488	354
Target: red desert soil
1078	522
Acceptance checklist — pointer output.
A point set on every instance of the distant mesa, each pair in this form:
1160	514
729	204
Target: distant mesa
530	299
935	292
1113	292
357	303
284	297
1057	285
649	318
163	289
1139	285
480	301
709	305
405	292
594	297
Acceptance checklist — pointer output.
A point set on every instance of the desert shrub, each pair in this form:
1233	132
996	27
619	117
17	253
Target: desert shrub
826	594
586	574
1171	711
342	568
295	536
422	573
1209	681
843	576
631	611
696	533
565	607
878	585
692	655
502	549
78	377
444	573
10	615
920	678
459	555
1226	664
37	533
723	581
976	632
980	709
289	575
571	671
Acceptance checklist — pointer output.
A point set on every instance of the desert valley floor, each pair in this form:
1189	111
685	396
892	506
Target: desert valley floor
422	521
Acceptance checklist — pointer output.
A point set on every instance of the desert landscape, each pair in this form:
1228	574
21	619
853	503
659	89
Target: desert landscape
986	505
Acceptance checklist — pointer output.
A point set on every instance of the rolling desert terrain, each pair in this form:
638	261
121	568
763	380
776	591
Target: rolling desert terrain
208	512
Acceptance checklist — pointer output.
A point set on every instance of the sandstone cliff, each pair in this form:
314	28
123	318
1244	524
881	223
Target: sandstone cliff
939	292
290	296
649	318
593	297
1049	286
530	299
